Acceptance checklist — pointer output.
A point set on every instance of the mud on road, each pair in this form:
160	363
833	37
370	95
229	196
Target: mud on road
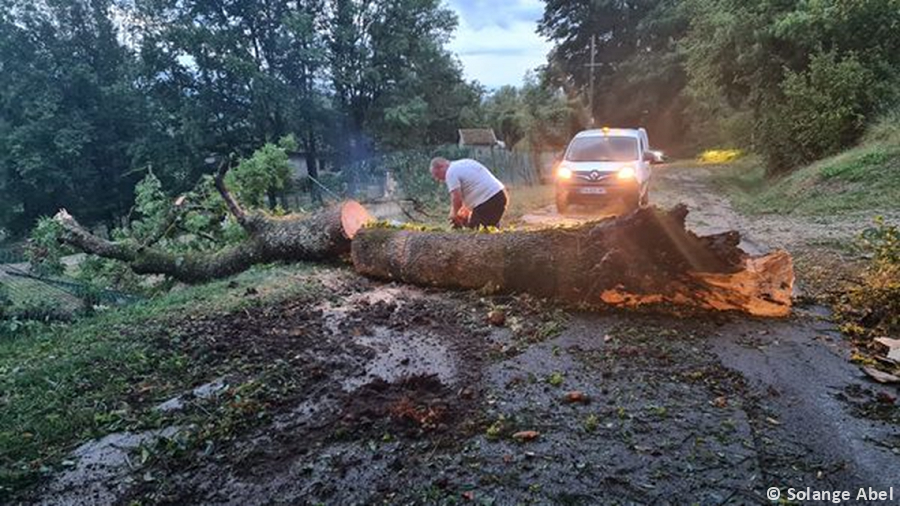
389	394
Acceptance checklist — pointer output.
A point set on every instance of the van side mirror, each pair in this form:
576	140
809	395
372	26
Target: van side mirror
654	157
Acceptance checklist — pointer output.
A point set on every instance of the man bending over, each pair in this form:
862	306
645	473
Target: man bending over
477	198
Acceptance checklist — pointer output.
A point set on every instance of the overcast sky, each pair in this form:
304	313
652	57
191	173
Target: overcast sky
496	40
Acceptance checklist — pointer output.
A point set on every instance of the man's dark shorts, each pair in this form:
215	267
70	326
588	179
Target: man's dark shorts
490	212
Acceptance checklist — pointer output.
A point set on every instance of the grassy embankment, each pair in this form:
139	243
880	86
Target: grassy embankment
63	384
865	178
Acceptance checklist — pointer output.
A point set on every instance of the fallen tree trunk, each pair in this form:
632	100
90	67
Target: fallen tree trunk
647	257
324	235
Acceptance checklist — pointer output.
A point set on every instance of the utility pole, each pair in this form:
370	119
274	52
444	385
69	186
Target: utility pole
592	66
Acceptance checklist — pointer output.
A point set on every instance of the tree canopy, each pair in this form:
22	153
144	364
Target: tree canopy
94	93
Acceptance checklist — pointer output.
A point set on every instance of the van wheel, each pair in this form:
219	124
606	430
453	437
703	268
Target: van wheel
562	204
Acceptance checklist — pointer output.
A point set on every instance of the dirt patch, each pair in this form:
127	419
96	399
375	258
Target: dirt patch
366	362
415	403
328	405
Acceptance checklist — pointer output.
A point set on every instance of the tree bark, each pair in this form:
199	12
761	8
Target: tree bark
324	235
647	257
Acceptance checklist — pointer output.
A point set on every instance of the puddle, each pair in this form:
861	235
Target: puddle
334	315
101	470
403	354
203	392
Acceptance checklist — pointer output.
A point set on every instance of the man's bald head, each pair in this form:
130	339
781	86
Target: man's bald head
439	166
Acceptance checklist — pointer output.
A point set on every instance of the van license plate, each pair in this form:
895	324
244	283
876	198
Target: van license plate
593	191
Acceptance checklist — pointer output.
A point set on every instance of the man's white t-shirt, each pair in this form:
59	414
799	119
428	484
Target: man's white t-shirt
474	181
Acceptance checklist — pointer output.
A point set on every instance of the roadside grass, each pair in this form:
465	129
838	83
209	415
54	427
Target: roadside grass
61	385
526	199
860	179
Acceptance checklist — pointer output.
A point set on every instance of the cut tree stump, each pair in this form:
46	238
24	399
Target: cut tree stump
647	257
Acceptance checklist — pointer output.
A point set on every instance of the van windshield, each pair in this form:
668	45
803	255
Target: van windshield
602	149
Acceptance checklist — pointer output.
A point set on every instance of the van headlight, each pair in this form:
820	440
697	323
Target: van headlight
626	173
564	173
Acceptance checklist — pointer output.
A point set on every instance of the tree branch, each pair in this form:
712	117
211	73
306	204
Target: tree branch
324	235
77	236
233	207
171	221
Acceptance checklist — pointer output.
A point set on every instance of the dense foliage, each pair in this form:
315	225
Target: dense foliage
5	301
537	117
794	80
95	92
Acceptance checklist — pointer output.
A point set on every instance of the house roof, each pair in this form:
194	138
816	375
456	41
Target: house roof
477	137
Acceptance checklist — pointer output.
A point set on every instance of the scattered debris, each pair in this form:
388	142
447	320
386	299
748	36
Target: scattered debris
893	346
203	392
880	376
497	318
526	435
886	398
556	379
577	396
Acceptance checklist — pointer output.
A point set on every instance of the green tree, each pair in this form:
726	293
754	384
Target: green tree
393	81
800	77
68	113
821	110
504	111
639	75
265	174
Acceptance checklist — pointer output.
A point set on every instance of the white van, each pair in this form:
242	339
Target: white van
603	166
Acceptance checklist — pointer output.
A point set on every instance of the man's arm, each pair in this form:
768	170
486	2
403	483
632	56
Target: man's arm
456	203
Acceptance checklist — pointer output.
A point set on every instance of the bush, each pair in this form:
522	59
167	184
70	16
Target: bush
264	173
823	110
44	251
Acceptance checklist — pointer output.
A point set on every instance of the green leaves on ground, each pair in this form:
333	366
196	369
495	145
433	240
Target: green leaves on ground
876	303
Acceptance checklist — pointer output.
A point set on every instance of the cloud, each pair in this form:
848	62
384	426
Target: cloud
481	13
498	45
